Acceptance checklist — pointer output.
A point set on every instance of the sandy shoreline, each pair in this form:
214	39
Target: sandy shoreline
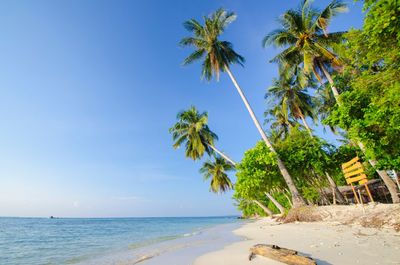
326	242
184	251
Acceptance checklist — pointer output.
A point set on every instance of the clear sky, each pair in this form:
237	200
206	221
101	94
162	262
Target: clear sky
90	88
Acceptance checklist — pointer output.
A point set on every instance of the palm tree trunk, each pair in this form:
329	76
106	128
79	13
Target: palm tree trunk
222	154
396	175
338	195
296	197
276	203
266	209
330	80
305	124
287	197
385	177
335	190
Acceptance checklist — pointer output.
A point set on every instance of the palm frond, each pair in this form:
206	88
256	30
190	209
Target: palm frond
196	55
279	38
192	130
216	54
333	9
194	26
216	170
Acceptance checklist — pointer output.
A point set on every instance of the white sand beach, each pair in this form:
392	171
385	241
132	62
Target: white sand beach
325	242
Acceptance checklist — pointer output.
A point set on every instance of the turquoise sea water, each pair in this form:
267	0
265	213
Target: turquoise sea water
78	241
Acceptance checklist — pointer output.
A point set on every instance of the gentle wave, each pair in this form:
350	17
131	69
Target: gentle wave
79	241
151	242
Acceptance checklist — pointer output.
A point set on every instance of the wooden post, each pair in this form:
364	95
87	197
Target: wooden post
355	194
333	196
338	195
362	203
359	193
369	193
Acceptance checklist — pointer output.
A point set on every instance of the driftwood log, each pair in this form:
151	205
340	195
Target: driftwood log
284	255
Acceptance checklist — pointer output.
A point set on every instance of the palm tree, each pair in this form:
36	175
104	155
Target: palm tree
217	57
279	121
192	129
324	103
217	171
292	97
304	36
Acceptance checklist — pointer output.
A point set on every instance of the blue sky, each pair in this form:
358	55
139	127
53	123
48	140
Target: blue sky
90	88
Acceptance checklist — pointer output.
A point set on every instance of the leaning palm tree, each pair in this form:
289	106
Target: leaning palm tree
218	56
304	36
217	171
294	100
192	129
292	97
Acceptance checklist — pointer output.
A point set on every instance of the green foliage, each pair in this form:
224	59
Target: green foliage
248	208
303	35
311	194
382	24
304	155
257	173
279	195
306	158
369	111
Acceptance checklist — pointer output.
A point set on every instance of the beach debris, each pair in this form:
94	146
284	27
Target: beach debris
284	255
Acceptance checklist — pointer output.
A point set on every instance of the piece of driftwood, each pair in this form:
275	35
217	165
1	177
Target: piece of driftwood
284	255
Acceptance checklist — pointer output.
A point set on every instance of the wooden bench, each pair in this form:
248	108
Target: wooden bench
354	172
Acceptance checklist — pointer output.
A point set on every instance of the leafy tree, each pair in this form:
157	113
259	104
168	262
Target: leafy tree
217	171
370	110
217	57
303	35
308	158
381	27
256	173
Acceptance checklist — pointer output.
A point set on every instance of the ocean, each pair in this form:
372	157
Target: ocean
45	241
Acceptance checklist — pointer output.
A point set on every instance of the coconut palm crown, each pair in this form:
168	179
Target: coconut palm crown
217	171
292	96
192	130
304	37
279	121
215	54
